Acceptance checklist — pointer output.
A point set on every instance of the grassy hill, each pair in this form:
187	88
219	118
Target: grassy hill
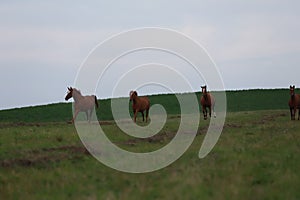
243	100
256	157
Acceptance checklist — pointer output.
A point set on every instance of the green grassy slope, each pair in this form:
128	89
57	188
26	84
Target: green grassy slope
255	157
251	100
245	100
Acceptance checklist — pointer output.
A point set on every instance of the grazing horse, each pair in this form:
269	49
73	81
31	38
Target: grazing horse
82	103
294	103
207	100
139	104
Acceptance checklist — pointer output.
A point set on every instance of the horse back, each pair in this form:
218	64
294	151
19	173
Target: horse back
86	103
143	104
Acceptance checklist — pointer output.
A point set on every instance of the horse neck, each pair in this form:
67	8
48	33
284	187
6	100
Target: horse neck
292	96
136	99
205	96
77	96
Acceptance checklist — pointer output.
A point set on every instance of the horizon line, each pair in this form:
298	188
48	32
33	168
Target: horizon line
153	94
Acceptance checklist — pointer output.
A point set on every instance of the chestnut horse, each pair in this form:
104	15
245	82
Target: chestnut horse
82	103
294	103
139	104
207	101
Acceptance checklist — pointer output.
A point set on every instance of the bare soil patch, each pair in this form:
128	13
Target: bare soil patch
45	156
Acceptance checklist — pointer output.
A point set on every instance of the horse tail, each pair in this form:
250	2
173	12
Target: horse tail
96	102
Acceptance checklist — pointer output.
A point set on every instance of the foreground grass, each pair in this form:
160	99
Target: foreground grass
256	157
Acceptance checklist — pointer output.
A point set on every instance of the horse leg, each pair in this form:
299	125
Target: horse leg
213	109
143	115
135	113
209	111
204	112
298	113
87	115
90	114
291	113
75	115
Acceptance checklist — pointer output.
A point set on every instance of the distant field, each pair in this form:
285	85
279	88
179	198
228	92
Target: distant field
256	157
245	100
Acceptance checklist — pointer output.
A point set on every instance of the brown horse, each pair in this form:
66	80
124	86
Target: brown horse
294	103
207	100
82	103
139	104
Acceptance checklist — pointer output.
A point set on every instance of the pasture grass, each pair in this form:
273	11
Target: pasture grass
256	157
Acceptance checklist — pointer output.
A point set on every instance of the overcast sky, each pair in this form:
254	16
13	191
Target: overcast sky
255	44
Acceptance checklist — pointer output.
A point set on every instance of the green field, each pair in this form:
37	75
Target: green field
256	157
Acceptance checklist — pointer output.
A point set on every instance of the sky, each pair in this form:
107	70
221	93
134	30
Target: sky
254	44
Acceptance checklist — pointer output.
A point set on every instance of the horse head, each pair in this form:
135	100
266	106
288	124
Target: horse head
132	95
204	91
70	93
292	91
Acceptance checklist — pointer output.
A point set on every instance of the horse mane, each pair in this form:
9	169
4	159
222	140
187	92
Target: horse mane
78	91
130	93
205	94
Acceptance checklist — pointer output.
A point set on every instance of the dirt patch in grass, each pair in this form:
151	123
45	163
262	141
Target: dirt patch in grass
28	162
41	124
71	149
232	125
21	124
158	138
270	118
46	156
